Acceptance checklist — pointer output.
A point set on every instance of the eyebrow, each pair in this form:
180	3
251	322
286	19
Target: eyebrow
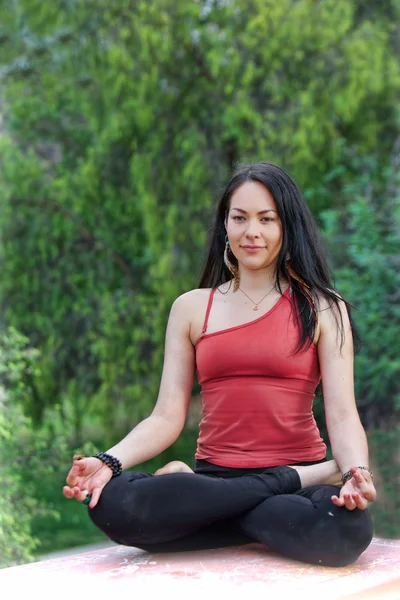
260	212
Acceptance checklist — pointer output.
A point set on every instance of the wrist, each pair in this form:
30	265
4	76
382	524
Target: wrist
111	461
348	474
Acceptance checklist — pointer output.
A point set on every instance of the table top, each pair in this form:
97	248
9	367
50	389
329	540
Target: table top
209	574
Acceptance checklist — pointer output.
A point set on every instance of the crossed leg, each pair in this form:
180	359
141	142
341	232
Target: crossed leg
183	511
138	508
307	526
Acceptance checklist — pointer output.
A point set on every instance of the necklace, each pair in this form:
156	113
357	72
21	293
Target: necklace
256	305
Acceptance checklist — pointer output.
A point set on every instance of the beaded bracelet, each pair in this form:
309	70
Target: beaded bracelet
348	475
111	461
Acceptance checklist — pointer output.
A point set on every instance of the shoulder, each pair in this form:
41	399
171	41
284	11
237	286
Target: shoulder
191	298
188	304
329	305
188	312
332	312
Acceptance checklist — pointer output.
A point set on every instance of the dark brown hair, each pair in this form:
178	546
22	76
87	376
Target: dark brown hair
308	271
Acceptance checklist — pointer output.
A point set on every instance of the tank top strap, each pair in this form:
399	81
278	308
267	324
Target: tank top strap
210	300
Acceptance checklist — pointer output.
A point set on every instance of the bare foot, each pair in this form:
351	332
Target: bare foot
176	466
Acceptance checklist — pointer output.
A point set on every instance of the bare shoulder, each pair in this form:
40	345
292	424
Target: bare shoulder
190	308
328	306
331	314
192	300
189	304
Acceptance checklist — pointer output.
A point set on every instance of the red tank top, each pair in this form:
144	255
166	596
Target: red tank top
257	395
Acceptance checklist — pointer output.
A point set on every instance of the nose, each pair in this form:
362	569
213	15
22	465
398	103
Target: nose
253	231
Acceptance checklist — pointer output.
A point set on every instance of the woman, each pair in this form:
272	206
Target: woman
264	327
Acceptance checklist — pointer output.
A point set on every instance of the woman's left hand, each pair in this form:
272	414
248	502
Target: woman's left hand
357	492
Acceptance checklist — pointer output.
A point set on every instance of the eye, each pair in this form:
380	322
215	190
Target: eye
237	218
268	219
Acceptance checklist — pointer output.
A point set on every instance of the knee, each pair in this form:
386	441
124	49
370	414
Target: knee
119	512
344	534
352	535
358	530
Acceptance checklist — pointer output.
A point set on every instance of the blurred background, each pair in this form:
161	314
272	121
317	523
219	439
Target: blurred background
119	124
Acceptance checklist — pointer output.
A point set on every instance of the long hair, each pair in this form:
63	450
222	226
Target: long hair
307	269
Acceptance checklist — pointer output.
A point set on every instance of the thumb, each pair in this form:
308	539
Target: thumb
95	496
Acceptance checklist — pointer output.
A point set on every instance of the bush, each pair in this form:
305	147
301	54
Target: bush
22	452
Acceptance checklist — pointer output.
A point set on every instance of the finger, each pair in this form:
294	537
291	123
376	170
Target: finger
360	501
356	470
338	501
71	477
362	476
68	493
358	477
365	487
75	472
95	497
81	466
370	494
74	492
349	502
81	495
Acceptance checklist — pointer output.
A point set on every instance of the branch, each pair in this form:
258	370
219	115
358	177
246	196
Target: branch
200	61
57	208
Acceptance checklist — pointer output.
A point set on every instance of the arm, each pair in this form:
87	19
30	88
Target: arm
346	433
160	430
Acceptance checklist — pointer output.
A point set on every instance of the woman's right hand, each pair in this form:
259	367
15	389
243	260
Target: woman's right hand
87	476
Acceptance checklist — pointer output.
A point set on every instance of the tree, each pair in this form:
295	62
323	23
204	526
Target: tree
121	121
364	241
17	506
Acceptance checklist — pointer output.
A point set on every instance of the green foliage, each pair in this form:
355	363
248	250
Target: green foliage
17	365
364	242
17	503
16	506
385	452
120	122
34	472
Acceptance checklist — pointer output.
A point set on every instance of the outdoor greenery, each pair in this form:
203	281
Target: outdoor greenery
120	122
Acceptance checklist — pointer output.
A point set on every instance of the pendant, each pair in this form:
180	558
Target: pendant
255	308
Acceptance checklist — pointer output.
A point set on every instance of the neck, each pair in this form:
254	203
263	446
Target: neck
257	280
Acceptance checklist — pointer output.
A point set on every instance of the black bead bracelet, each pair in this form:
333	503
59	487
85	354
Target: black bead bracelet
111	461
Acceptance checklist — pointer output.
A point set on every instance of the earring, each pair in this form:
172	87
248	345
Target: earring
234	270
288	257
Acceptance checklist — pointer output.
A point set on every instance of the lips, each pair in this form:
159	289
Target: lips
252	249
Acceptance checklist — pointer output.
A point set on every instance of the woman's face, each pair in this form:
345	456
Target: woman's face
253	226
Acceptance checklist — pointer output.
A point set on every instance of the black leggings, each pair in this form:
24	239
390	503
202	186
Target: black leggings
184	511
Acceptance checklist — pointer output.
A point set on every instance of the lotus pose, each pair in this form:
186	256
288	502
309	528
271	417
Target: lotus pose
262	330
